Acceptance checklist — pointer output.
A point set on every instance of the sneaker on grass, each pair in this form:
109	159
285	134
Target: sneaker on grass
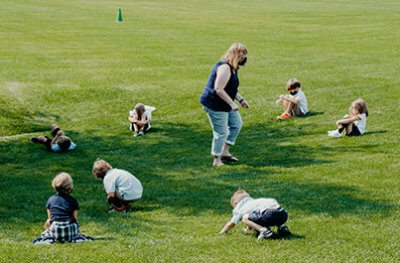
265	233
284	116
334	134
284	231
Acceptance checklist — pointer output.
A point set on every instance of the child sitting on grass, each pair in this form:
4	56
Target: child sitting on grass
294	104
62	214
140	118
259	214
121	186
59	143
354	123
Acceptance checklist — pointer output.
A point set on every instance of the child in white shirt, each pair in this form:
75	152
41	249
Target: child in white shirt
121	186
140	118
354	123
259	214
294	104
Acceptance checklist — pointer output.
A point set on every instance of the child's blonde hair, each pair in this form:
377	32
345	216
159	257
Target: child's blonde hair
237	196
62	183
360	106
293	83
234	54
139	107
100	168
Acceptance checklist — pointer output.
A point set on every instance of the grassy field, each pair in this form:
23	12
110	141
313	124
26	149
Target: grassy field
69	62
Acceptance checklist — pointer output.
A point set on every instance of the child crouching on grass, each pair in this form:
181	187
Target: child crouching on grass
62	214
59	143
258	214
354	123
294	104
140	118
121	187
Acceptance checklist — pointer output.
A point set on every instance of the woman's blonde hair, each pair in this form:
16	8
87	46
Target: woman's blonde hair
100	168
360	106
293	83
234	54
237	196
62	183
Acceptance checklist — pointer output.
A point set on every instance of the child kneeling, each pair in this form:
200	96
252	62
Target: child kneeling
59	143
259	214
121	186
354	123
62	212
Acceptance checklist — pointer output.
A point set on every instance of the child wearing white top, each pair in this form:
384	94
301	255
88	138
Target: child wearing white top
354	123
140	118
294	104
121	186
259	214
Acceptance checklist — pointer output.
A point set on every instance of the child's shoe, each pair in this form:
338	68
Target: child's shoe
35	140
284	116
284	231
141	133
135	134
334	134
265	233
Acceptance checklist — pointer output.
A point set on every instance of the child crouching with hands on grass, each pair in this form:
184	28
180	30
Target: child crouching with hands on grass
258	214
354	123
62	214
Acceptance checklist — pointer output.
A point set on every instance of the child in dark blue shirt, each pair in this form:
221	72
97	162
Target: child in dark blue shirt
62	214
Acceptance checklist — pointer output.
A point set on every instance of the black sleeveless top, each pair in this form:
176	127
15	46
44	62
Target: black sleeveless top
210	99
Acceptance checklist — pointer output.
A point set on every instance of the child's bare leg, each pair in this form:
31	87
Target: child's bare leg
349	128
288	107
135	127
250	223
42	139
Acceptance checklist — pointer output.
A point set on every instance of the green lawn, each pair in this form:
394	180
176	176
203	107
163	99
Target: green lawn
69	62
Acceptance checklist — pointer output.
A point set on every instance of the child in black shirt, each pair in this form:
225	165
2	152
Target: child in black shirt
62	214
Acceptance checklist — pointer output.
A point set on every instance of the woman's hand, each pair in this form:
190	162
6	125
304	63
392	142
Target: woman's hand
245	104
235	107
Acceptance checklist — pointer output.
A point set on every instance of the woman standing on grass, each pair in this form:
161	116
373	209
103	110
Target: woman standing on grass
218	101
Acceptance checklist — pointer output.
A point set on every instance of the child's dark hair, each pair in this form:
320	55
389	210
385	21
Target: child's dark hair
64	142
293	83
360	106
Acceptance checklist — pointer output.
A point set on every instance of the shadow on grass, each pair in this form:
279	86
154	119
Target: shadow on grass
375	132
312	113
175	169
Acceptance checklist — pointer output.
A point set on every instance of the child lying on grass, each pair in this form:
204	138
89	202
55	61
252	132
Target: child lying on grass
294	104
59	143
121	186
354	123
140	118
259	214
62	214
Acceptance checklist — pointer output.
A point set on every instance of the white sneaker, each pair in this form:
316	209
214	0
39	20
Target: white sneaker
335	134
265	233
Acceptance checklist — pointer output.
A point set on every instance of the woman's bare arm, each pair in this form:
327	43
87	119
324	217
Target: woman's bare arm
223	75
